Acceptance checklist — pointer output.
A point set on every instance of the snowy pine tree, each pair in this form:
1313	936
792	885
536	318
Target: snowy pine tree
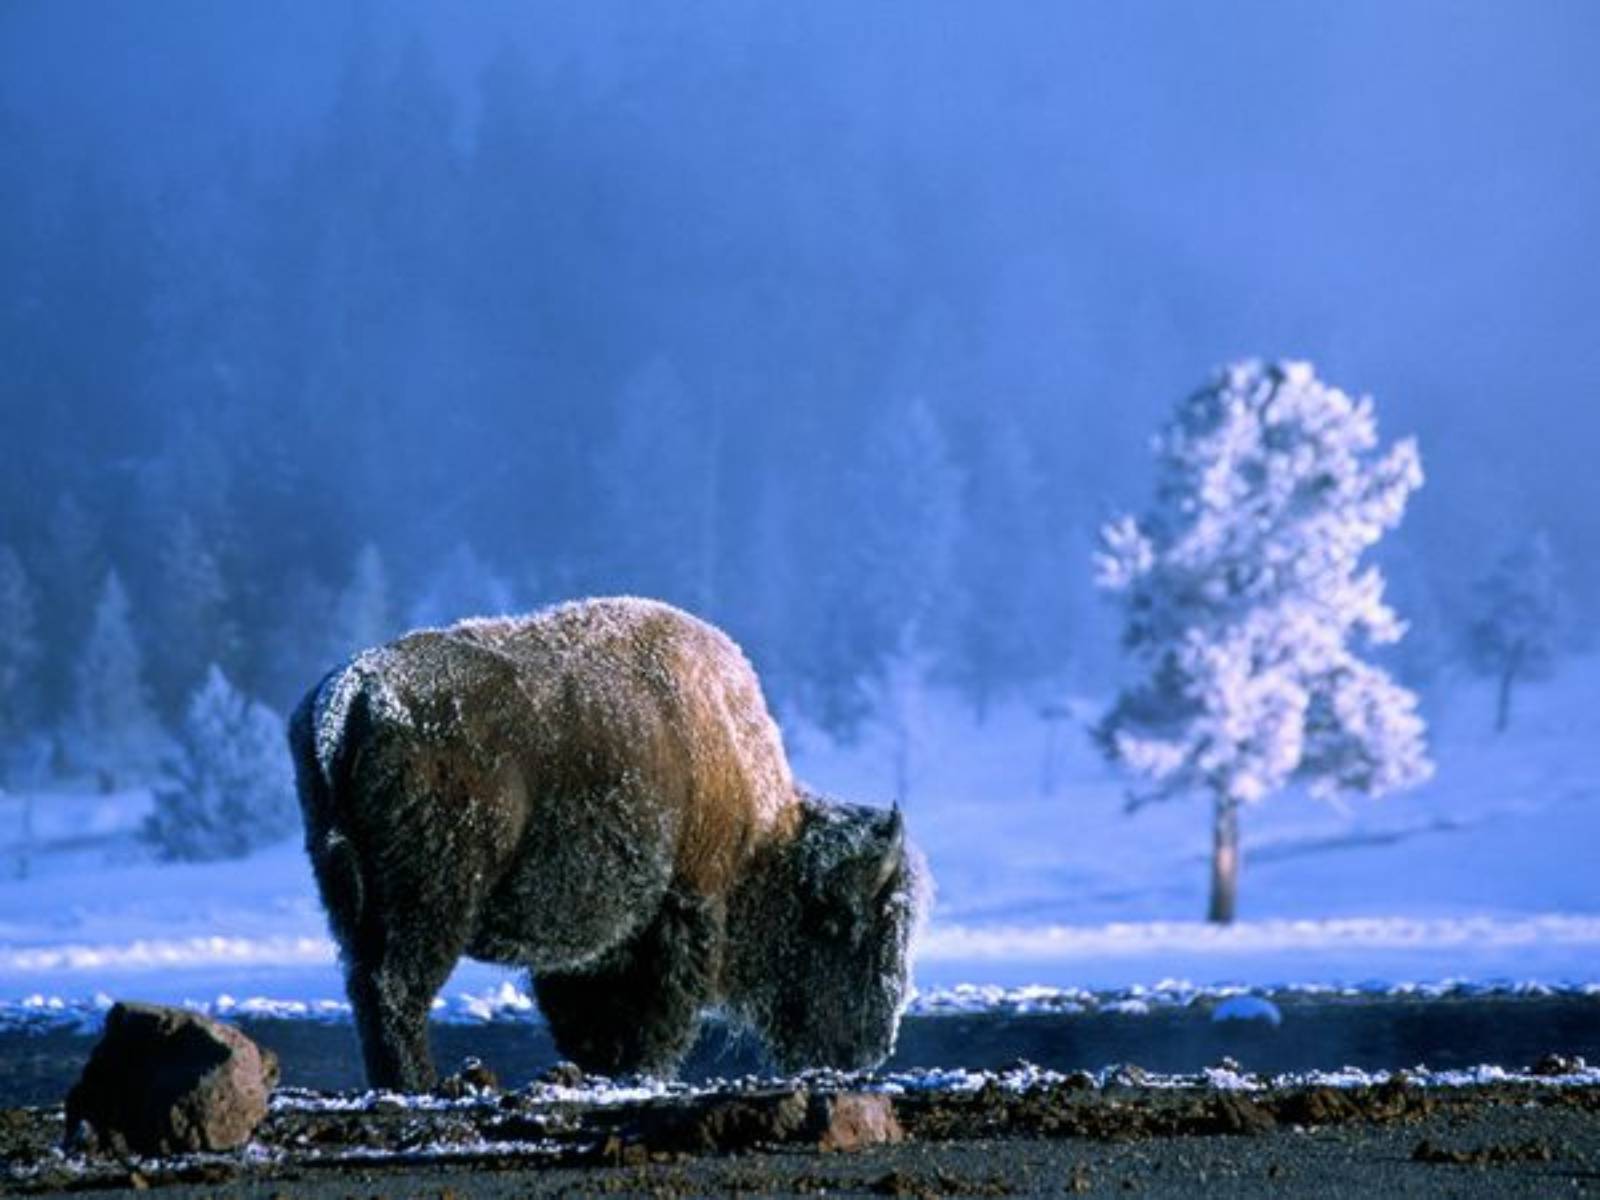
72	569
1516	628
658	479
111	728
463	586
905	554
1242	593
1003	640
362	615
19	650
193	624
230	788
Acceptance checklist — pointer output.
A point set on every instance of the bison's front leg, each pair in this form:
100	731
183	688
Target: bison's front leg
636	1009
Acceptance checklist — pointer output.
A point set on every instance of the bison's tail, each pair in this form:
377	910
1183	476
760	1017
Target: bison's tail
319	740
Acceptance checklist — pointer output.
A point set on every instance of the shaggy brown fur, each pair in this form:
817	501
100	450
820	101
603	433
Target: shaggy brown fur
596	793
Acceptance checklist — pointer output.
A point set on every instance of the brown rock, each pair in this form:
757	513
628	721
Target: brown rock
1320	1105
728	1124
724	1124
473	1079
1232	1113
852	1120
166	1080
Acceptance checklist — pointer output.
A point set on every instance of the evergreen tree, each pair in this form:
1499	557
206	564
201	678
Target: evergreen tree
111	728
230	789
1242	595
193	624
1005	634
765	601
292	656
362	615
658	480
1518	619
71	572
462	586
19	651
883	594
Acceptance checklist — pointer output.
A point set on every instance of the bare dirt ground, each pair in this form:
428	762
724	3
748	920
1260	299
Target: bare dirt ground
38	1066
1018	1131
1121	1135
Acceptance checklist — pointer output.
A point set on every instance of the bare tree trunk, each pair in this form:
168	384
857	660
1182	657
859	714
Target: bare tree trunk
1224	861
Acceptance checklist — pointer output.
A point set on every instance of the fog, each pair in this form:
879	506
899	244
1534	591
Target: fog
321	319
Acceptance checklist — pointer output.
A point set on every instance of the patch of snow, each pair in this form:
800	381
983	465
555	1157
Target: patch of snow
1248	1008
508	1004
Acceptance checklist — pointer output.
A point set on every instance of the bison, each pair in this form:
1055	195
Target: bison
596	793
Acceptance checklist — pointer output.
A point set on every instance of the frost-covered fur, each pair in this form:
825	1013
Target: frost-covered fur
597	793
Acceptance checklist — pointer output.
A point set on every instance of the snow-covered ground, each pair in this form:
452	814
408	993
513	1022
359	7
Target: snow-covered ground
1489	871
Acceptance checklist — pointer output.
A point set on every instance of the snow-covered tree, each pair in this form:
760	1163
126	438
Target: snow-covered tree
891	602
19	649
193	624
111	727
462	586
658	480
230	787
1004	634
1244	603
1517	623
289	658
71	570
362	615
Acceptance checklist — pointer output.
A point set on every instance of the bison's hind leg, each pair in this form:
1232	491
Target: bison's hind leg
416	922
636	1009
391	999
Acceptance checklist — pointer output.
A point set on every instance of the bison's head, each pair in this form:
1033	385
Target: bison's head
828	950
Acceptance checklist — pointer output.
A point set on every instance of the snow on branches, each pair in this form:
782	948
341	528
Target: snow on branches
1244	598
231	788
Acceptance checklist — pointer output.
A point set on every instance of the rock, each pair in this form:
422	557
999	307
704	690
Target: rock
1559	1064
852	1120
1232	1113
724	1124
728	1124
563	1074
473	1079
166	1081
1320	1105
1130	1075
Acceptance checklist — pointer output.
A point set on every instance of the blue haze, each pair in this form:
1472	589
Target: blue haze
325	275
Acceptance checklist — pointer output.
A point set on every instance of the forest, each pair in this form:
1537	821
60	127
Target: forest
843	330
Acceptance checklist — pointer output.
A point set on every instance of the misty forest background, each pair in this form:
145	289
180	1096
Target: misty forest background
842	325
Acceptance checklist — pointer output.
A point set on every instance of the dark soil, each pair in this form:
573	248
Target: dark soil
1130	1134
1317	1032
1073	1136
